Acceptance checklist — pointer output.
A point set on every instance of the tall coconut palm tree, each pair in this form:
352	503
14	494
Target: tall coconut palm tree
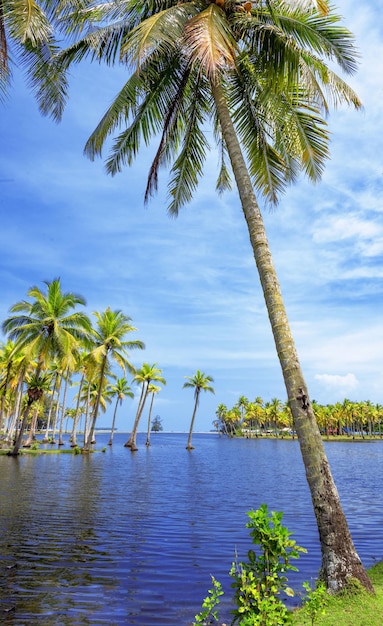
46	327
121	389
199	382
144	377
261	71
109	337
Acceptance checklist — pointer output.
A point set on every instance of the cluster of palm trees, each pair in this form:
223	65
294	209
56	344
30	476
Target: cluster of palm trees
49	342
254	418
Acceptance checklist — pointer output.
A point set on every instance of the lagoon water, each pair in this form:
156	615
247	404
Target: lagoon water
119	538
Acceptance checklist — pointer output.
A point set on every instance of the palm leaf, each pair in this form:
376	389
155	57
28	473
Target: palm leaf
209	41
188	167
27	21
158	34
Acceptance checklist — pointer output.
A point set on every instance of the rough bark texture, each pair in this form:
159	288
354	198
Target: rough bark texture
340	561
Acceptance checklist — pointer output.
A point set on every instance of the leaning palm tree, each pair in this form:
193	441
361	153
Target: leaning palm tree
144	377
109	338
261	72
199	382
121	389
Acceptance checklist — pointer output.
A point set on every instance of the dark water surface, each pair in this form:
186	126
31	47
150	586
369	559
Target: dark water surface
122	538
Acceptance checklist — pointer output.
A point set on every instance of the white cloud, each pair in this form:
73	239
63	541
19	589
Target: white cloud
345	383
347	227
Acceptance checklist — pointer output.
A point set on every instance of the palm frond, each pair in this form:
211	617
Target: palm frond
267	166
4	62
224	179
26	21
188	167
323	34
170	135
46	79
160	91
209	41
158	34
118	113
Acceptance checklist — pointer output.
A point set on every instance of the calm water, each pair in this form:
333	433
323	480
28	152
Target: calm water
122	538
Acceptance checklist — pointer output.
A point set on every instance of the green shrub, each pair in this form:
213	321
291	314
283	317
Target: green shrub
259	582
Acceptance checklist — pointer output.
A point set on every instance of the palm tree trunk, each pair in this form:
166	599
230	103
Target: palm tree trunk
61	441
189	443
16	410
133	437
86	424
57	408
73	437
110	442
32	430
149	416
46	436
89	439
340	560
20	435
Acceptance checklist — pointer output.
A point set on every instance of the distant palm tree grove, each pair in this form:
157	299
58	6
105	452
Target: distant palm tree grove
258	418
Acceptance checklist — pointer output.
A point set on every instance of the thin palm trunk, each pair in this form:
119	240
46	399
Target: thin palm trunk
56	413
189	443
149	417
61	441
87	410
32	429
73	437
19	438
340	560
4	389
141	402
90	437
133	437
46	436
110	442
14	418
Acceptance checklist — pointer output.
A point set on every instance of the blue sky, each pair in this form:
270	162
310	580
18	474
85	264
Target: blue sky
190	285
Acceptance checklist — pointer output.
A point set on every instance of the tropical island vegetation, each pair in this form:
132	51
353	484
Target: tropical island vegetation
353	420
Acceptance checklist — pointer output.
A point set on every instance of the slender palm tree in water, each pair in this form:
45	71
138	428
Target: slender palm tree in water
199	382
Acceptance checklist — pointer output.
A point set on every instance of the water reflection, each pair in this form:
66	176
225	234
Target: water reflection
122	538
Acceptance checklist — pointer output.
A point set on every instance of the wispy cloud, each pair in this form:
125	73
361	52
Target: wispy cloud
343	384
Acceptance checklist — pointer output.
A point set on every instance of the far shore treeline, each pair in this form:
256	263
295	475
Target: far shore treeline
59	367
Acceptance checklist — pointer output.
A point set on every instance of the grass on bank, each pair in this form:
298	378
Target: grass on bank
351	608
39	451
